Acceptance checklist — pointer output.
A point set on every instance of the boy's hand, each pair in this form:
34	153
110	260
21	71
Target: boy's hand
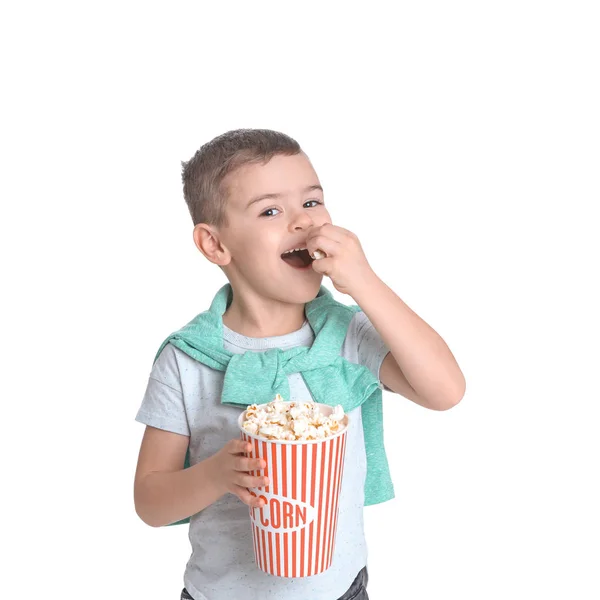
345	262
229	470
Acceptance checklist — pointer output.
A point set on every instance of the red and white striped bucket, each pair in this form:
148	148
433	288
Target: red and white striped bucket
294	532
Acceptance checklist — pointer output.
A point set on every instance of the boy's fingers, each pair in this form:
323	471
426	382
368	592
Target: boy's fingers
323	265
247	498
239	446
332	232
329	247
249	464
250	481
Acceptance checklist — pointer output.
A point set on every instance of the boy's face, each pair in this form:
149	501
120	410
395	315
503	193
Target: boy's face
261	229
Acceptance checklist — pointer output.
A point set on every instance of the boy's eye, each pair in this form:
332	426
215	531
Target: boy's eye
270	212
266	213
316	203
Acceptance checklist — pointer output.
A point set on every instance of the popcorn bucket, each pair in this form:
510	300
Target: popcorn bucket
294	531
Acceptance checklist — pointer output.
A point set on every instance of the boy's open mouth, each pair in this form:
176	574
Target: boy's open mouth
299	259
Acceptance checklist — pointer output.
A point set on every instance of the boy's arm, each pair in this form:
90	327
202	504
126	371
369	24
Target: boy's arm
393	379
420	365
165	493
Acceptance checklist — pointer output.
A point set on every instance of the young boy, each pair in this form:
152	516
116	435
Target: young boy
259	214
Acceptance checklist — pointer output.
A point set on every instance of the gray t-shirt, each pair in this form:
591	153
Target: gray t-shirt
184	396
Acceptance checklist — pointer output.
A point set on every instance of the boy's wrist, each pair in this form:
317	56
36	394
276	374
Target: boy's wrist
212	483
368	286
204	484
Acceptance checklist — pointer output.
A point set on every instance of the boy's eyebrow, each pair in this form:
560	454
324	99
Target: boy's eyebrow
310	188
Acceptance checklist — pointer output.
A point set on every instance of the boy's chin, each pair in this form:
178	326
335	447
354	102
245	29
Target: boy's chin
307	293
301	292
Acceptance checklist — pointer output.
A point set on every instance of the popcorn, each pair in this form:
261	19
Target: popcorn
292	421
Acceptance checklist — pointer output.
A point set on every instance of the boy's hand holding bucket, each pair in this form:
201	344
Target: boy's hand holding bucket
231	470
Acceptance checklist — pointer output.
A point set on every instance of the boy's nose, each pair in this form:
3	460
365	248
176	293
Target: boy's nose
301	222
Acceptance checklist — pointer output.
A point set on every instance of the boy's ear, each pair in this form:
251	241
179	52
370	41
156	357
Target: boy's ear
207	241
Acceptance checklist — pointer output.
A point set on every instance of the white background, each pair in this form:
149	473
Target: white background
458	140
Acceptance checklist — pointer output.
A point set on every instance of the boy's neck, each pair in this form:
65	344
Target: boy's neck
261	317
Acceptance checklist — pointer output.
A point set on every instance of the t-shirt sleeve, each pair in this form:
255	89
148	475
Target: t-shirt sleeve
364	345
163	404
